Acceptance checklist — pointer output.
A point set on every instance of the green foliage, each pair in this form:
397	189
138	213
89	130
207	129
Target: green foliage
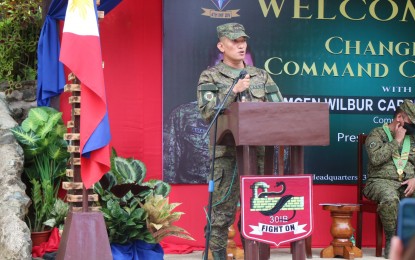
125	222
58	213
41	137
161	218
128	170
43	200
122	192
20	25
41	134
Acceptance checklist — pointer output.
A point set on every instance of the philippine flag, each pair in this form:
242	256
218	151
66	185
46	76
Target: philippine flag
81	53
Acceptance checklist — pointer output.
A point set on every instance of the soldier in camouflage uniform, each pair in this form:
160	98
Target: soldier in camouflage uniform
214	84
186	153
391	167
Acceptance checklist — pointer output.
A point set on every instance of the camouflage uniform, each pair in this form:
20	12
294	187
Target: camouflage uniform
383	185
185	153
214	84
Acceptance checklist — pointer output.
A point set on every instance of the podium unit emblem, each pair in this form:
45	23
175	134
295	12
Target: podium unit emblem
276	209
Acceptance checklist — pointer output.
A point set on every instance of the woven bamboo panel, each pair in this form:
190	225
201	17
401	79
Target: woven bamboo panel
73	149
72	185
72	87
71	136
92	209
75	161
77	111
70	124
69	173
74	99
78	198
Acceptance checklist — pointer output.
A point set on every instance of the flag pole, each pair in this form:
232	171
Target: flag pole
78	196
82	223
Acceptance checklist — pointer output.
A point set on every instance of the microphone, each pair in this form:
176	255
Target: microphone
242	74
242	95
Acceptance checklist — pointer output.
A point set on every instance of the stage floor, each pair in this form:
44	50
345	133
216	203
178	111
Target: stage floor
280	254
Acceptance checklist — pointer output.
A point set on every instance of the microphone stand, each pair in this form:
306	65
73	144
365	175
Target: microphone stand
211	186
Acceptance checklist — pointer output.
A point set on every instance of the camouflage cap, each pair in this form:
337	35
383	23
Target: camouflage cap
231	31
409	108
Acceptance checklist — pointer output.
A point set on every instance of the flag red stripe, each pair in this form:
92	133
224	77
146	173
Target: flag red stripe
82	55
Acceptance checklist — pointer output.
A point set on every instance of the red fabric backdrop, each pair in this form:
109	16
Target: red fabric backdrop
131	37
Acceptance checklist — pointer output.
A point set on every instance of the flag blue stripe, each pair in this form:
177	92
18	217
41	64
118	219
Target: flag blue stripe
51	79
100	137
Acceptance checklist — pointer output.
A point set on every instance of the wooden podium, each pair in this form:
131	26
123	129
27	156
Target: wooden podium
250	124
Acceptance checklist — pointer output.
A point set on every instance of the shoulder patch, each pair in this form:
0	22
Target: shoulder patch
208	95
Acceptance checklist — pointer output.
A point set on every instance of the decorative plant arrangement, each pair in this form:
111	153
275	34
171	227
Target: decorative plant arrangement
20	25
136	210
161	216
57	215
45	151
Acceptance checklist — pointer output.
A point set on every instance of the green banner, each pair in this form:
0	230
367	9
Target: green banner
356	55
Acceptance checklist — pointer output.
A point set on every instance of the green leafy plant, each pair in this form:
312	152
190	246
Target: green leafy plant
59	211
20	26
161	218
41	137
123	195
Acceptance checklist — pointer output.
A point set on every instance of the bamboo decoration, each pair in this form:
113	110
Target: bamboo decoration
78	197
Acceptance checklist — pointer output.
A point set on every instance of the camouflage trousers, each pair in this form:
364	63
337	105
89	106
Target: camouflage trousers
387	193
225	200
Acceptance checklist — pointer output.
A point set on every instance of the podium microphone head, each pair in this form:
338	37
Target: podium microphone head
242	74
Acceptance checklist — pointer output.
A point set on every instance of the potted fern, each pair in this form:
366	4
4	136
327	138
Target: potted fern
45	151
137	213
